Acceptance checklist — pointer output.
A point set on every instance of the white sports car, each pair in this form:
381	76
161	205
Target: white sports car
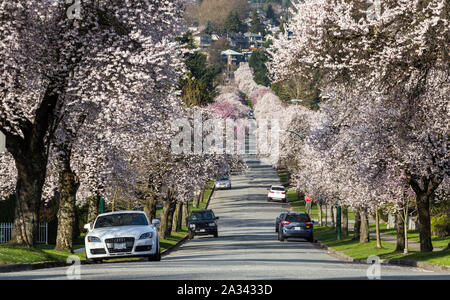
122	234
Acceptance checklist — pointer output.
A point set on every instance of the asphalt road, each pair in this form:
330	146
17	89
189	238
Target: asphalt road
247	247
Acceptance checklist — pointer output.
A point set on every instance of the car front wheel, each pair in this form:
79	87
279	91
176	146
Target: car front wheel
156	256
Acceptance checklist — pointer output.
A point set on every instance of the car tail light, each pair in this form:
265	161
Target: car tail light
285	223
283	193
271	192
308	223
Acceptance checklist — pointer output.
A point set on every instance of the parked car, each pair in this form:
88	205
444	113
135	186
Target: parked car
296	225
276	192
203	222
122	234
223	183
251	113
278	220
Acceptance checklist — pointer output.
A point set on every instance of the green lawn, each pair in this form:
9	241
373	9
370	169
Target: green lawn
43	253
327	235
346	245
413	235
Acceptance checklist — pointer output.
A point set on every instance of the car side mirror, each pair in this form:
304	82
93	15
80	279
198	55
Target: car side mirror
217	218
156	223
88	227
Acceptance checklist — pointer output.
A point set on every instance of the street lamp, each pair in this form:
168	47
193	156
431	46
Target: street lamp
338	217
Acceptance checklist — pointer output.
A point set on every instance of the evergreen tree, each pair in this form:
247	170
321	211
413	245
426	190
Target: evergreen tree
232	23
258	63
256	25
270	14
208	28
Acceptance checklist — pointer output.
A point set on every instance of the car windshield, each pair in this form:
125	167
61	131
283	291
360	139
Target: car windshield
298	218
203	215
224	178
277	188
121	220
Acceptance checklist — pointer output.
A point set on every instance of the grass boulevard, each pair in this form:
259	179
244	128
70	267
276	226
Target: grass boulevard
353	248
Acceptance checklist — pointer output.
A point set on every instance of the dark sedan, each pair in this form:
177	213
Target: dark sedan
296	225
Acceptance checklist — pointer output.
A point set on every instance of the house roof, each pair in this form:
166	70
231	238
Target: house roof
230	52
249	34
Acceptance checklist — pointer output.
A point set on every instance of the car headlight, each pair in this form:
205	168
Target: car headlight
147	235
192	226
93	239
212	224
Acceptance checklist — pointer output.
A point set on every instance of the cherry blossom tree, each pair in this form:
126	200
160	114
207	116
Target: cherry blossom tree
55	64
387	74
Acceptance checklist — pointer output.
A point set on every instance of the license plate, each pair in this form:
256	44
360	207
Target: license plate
202	230
120	246
297	228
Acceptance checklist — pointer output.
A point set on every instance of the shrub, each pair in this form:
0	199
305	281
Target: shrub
440	225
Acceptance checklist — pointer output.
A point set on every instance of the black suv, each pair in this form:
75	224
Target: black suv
202	222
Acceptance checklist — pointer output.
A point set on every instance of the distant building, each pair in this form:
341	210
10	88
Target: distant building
202	40
255	40
247	53
232	57
193	29
215	37
238	41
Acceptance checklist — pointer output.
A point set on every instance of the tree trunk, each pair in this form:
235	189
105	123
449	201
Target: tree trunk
357	226
344	221
319	206
364	230
30	155
176	223
93	206
172	207
405	229
184	219
164	219
423	210
150	207
333	220
197	199
68	186
377	225
423	199
399	226
30	180
326	216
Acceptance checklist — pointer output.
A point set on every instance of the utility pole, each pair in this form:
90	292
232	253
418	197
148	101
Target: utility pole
338	217
2	143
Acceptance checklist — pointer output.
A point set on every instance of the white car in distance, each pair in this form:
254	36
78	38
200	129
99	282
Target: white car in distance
277	192
122	234
223	183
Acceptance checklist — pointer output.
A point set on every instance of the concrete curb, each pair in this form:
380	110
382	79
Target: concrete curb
395	262
31	267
